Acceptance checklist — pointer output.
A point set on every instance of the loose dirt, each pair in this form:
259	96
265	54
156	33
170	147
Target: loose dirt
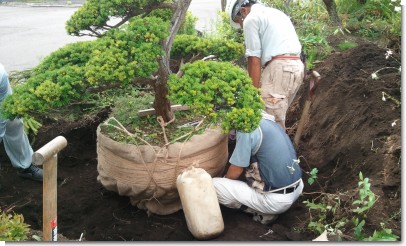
351	129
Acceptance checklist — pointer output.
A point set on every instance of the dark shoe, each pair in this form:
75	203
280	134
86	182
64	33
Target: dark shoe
32	172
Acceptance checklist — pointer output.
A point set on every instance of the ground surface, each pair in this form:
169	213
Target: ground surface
350	130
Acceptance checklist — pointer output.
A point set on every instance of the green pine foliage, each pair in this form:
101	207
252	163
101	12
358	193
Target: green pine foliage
74	54
188	46
94	14
221	91
65	75
131	50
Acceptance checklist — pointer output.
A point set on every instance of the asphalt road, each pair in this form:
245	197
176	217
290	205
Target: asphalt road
29	33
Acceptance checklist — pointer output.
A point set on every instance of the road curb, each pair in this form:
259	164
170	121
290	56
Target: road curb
13	4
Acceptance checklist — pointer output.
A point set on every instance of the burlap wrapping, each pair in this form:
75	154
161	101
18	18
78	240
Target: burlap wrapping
147	174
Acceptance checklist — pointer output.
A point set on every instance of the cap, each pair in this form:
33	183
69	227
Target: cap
233	8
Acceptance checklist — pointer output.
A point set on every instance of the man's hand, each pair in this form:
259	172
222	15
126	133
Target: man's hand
234	172
254	70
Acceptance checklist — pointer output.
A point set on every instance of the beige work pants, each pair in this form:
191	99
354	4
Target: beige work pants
280	81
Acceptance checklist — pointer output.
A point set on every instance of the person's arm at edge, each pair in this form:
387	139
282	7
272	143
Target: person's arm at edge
234	172
254	70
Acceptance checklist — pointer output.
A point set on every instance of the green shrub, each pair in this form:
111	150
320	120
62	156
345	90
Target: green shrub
12	227
311	20
189	25
329	212
225	31
374	19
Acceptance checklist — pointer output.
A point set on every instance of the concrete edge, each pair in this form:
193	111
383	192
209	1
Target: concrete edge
14	4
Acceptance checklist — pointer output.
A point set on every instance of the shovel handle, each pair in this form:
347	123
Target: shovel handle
314	82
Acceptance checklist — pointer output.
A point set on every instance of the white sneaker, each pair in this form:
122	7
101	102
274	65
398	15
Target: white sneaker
261	217
250	211
264	219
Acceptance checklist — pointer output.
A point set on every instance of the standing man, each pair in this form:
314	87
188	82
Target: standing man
15	140
272	173
273	47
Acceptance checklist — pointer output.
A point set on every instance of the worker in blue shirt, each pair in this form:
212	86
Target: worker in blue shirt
267	159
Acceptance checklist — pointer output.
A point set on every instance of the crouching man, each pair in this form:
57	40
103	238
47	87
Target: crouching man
272	173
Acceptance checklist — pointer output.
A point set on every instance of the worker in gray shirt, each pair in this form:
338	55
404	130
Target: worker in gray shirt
272	173
273	52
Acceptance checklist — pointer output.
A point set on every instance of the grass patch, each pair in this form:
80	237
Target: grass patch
346	45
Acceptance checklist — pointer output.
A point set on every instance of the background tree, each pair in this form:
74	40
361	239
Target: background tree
332	11
223	4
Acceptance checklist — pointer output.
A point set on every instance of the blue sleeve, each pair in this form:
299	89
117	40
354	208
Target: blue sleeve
242	151
5	87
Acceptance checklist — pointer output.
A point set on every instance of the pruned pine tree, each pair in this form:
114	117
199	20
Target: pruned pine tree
96	17
135	42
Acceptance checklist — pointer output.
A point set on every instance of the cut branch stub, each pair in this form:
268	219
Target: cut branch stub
152	111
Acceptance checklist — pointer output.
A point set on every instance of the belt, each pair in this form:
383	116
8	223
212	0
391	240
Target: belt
284	56
287	190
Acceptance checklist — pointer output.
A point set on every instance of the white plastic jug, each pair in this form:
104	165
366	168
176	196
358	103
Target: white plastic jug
199	203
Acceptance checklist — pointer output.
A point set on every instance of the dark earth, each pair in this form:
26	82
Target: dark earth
351	129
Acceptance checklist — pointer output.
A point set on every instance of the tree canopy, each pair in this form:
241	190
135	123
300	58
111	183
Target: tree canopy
135	42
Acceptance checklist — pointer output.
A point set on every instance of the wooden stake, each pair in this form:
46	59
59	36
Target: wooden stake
47	156
151	111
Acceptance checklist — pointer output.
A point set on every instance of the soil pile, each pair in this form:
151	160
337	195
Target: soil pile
351	129
355	127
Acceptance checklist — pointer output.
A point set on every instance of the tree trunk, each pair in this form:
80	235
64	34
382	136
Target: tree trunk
162	105
332	11
223	5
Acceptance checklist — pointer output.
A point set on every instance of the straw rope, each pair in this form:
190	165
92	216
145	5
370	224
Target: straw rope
150	183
